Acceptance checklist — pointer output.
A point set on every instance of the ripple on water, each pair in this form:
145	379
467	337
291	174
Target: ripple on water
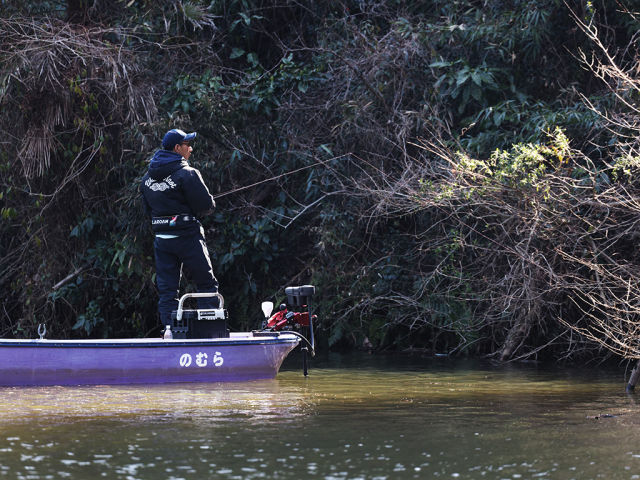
354	417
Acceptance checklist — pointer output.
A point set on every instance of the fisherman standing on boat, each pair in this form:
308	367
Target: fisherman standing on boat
174	195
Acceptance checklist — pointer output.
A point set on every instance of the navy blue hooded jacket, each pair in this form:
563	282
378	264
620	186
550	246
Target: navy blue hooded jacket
171	188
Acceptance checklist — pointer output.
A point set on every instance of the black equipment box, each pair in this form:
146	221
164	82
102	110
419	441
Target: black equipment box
192	325
299	296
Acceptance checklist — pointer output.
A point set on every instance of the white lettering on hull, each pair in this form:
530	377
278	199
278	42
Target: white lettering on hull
201	360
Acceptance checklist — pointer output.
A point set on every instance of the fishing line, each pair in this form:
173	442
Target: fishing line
385	175
278	176
449	215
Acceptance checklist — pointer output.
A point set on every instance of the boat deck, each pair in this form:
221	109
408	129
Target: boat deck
235	338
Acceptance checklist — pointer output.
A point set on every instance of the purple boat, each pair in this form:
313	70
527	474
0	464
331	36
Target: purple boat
201	350
242	356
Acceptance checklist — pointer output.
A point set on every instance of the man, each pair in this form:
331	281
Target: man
174	195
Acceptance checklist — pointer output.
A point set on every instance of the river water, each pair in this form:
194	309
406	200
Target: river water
356	416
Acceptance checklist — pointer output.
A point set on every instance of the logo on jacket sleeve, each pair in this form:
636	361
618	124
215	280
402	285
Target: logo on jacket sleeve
160	186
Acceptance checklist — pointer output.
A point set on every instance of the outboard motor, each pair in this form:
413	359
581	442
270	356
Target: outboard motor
296	318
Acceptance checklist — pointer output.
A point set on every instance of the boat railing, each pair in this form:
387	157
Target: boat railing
197	295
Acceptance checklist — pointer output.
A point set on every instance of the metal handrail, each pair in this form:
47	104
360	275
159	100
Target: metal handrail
197	295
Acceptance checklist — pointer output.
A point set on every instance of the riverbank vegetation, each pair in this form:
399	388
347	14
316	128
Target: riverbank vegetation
455	177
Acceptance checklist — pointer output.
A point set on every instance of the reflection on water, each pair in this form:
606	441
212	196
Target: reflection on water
354	417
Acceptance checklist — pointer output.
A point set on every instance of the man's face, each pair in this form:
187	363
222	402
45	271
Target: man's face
184	149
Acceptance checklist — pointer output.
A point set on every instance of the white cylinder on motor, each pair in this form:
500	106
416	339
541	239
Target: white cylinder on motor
267	308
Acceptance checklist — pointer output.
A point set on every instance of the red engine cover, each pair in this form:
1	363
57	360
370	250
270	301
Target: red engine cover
280	319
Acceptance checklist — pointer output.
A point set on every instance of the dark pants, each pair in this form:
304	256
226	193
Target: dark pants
171	255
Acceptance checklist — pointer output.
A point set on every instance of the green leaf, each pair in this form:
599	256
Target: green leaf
440	64
462	77
440	80
88	224
476	93
337	332
237	52
326	149
192	11
226	258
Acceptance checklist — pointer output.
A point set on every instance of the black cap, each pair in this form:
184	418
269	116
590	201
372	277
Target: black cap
174	137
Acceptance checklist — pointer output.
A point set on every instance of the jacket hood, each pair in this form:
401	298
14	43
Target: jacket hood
164	163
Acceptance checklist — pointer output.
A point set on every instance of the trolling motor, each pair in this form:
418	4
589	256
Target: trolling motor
292	321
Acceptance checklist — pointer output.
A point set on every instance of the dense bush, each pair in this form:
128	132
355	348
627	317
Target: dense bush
335	137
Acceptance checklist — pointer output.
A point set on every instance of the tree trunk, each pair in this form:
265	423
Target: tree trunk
516	333
633	379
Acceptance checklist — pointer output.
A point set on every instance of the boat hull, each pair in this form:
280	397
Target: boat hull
102	362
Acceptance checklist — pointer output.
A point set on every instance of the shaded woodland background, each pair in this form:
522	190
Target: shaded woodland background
455	177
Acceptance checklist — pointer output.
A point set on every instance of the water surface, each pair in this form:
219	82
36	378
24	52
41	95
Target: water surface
356	416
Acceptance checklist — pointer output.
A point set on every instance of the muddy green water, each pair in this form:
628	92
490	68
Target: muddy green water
355	417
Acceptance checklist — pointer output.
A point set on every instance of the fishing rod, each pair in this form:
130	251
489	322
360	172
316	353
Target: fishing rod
449	215
321	162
